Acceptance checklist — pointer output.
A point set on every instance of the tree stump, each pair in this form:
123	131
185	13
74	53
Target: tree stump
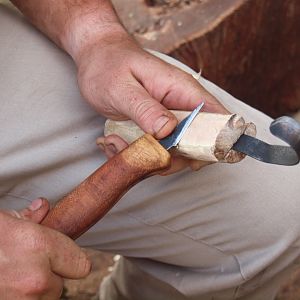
248	47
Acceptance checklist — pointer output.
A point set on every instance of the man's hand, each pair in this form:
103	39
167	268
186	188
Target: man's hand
123	81
119	78
116	76
35	259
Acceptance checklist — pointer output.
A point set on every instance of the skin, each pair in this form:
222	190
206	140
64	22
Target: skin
34	259
121	81
111	70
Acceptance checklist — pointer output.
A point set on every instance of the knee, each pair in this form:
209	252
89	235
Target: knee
276	208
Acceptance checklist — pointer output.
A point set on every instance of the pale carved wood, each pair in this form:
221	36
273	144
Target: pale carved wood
210	137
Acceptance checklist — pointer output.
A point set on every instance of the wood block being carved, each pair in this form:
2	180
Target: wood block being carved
210	137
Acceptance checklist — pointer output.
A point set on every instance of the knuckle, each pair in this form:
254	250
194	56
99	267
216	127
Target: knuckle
37	283
37	242
188	80
31	237
178	73
142	109
83	265
174	74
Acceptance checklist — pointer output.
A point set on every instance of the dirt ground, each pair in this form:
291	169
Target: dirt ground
87	289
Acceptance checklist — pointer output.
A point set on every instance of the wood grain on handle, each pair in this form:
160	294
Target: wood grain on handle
94	197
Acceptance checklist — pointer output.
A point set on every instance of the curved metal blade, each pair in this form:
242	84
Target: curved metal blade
174	138
285	128
273	154
288	130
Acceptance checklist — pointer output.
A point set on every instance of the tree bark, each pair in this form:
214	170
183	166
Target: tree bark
248	47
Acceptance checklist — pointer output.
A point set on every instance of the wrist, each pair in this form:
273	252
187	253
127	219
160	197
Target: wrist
90	26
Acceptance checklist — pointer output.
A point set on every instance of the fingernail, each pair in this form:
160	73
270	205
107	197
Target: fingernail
101	146
36	204
160	123
112	148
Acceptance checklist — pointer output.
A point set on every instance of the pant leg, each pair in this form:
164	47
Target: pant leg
222	233
47	131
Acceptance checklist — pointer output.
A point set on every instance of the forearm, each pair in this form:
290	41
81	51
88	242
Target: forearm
72	24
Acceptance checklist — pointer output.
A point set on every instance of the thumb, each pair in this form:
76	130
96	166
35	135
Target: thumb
35	212
147	112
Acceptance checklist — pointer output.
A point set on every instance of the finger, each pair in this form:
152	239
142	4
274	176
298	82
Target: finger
178	164
38	281
54	292
100	142
174	87
111	145
189	94
66	258
145	111
196	165
35	212
114	144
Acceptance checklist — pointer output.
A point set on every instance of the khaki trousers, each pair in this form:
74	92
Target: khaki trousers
225	232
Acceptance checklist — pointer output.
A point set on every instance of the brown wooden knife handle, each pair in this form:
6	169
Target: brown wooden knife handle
95	196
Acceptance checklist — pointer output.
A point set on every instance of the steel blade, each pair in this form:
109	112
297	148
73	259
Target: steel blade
288	130
273	154
174	138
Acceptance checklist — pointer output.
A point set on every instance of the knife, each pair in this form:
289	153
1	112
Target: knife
285	128
95	196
